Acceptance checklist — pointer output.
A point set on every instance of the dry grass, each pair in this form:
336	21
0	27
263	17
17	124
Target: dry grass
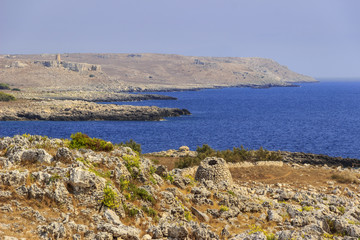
168	162
297	177
22	225
345	178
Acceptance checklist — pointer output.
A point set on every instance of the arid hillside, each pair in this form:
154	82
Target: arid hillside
87	188
141	72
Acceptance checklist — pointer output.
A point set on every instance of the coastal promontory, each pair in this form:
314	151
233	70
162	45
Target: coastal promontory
141	72
66	110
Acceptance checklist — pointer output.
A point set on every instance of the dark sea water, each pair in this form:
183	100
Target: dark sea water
319	118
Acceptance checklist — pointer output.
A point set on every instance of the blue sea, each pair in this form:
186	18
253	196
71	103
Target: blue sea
322	118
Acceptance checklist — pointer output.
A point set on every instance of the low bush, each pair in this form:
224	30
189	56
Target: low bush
140	193
110	198
187	161
224	208
5	97
130	211
149	211
132	162
4	86
188	216
81	140
131	144
16	89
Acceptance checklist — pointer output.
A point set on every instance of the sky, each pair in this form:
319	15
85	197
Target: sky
320	38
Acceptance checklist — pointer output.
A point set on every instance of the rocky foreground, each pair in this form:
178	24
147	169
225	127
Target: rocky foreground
65	110
48	191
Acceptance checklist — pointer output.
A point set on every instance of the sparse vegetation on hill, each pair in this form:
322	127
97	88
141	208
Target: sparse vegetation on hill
5	97
151	72
236	155
81	140
48	191
131	144
4	86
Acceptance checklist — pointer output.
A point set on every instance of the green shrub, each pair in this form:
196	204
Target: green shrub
110	198
131	212
81	140
188	216
140	193
132	162
124	184
341	209
55	177
16	89
131	144
5	97
265	155
224	208
186	162
4	86
169	177
231	193
106	174
149	211
307	208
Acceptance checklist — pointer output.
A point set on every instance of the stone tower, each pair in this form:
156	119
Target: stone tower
215	169
58	57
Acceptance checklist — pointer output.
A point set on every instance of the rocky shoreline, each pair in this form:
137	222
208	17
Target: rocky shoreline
65	110
319	159
49	191
91	96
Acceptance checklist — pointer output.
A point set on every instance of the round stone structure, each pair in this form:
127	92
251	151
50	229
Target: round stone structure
215	169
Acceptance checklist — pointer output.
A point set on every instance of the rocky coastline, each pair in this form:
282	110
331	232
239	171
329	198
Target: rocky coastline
51	190
91	96
66	110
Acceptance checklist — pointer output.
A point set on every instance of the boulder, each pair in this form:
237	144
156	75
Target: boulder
64	155
54	230
184	149
82	180
36	155
200	215
120	231
13	178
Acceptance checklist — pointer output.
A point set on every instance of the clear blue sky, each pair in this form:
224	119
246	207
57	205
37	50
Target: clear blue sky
320	38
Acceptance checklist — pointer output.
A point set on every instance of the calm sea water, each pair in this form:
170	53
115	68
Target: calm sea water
319	118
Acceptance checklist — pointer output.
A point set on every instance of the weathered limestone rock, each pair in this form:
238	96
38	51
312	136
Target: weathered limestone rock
120	231
84	180
36	192
184	149
13	178
214	169
36	155
54	230
200	215
64	155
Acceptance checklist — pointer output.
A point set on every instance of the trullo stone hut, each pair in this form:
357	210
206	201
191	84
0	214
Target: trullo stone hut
215	169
